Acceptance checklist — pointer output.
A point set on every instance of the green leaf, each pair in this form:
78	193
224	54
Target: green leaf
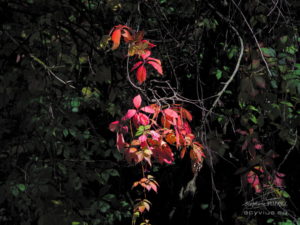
204	206
270	220
287	103
75	103
232	52
83	59
21	187
86	92
284	39
75	109
220	118
109	197
73	132
117	155
296	72
56	202
65	132
75	223
138	133
282	68
147	127
140	130
218	74
253	118
274	84
113	172
15	191
297	65
268	52
253	108
291	49
285	194
103	206
86	134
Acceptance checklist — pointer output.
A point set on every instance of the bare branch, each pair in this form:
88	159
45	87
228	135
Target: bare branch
233	74
36	59
254	37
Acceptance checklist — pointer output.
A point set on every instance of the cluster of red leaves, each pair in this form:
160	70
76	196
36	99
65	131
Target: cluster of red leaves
158	131
151	133
136	46
258	178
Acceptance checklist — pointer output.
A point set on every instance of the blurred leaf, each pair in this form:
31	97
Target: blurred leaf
268	52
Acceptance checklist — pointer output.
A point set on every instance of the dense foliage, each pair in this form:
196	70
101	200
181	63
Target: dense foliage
234	66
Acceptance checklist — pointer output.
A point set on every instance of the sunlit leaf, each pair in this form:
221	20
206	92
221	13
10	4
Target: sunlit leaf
115	37
148	109
130	113
141	74
171	113
137	100
156	64
136	65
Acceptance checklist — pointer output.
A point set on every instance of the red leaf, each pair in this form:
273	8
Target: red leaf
154	60
187	128
120	141
146	54
165	122
130	113
156	65
137	101
187	114
177	138
245	145
258	146
163	154
148	109
144	120
182	153
143	138
127	36
196	153
278	181
242	132
140	119
141	74
113	126
125	129
153	186
171	113
115	37
136	66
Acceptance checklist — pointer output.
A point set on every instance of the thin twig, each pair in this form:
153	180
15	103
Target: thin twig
254	37
36	59
289	151
233	74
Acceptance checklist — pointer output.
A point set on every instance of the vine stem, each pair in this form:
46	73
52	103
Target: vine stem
143	172
237	66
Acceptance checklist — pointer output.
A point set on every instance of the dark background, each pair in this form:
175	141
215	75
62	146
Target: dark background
60	87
